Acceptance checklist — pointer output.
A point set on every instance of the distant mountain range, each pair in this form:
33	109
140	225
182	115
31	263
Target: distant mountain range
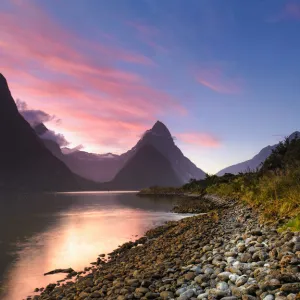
111	167
255	162
25	162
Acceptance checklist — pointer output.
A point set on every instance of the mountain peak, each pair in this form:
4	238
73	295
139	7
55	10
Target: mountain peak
160	128
294	135
7	103
3	82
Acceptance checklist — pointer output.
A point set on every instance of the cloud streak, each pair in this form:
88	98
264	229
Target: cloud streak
58	72
200	139
218	79
149	35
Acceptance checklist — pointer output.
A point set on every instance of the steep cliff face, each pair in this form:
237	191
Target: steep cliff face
160	138
25	162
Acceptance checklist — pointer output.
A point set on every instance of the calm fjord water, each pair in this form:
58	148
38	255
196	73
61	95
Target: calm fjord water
42	232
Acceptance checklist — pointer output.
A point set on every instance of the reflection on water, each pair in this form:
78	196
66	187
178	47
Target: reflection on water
39	233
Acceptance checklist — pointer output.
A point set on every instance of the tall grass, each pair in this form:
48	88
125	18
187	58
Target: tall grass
277	195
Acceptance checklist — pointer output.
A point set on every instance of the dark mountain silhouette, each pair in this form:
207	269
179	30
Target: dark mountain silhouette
147	167
160	138
256	161
25	162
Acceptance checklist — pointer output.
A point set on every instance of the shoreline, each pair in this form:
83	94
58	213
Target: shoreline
186	259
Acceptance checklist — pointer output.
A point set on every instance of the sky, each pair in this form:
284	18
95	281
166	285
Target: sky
224	76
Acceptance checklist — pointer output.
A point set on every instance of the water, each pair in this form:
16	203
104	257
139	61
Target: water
43	232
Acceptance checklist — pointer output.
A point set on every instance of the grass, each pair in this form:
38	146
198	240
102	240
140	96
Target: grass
275	195
292	225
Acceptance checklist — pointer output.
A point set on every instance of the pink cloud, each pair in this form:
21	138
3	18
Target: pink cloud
50	69
201	139
290	11
218	79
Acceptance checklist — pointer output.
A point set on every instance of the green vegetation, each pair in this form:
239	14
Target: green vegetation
293	224
274	189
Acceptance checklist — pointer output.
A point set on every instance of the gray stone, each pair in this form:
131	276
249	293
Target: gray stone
223	286
269	297
224	276
241	280
202	296
186	295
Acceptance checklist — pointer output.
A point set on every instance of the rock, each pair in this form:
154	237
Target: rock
219	293
95	294
196	269
209	271
241	247
166	295
142	290
223	286
236	291
270	285
189	276
241	280
146	283
83	295
248	297
291	297
288	260
186	295
296	247
256	232
202	296
201	278
245	257
291	287
132	282
151	295
136	274
206	248
233	278
180	291
251	289
224	276
269	297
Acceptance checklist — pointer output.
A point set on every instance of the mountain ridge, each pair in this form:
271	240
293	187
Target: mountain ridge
256	161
